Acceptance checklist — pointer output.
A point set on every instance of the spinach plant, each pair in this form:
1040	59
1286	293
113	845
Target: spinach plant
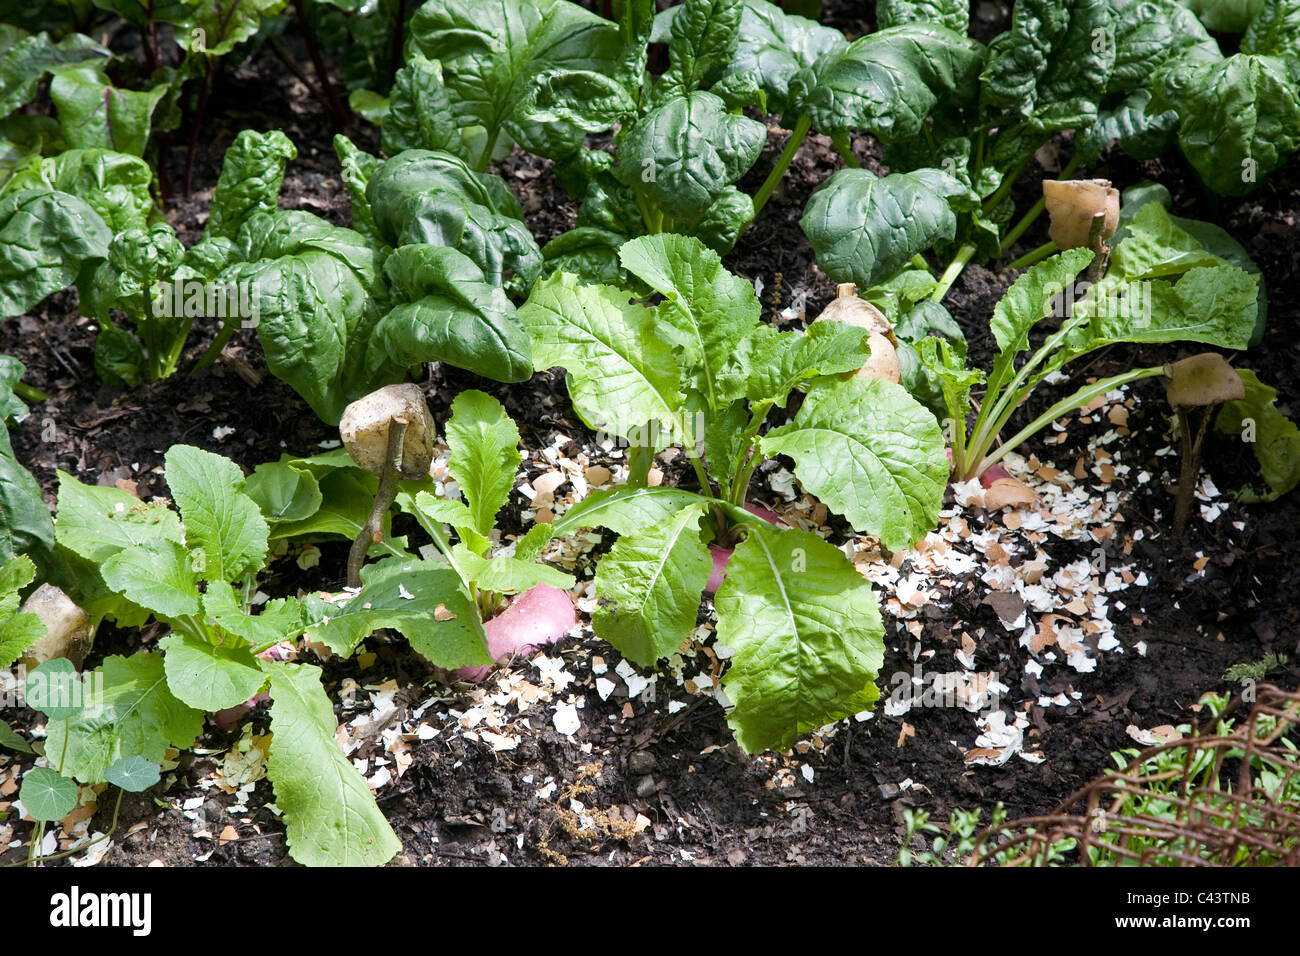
701	369
196	571
1163	285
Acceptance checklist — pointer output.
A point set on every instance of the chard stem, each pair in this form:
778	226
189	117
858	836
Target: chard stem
792	145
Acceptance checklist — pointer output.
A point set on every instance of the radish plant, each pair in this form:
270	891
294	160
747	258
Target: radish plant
802	622
1164	285
196	571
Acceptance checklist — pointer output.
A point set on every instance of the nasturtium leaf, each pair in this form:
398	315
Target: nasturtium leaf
404	594
805	634
45	236
56	690
872	453
621	373
133	774
210	677
328	809
649	587
865	228
221	521
47	795
137	716
485	454
160	576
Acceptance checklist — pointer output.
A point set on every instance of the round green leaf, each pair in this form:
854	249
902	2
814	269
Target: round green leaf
47	795
133	774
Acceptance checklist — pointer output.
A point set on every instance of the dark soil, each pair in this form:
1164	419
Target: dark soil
706	805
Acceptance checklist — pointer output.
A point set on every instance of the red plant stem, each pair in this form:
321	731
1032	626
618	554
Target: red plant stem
197	121
318	63
148	46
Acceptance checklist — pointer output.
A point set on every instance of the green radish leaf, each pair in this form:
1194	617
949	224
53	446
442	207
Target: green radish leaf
806	637
280	619
47	795
96	523
770	364
1273	437
283	491
137	716
328	809
623	510
485	454
208	677
18	631
404	594
503	575
621	373
706	309
161	577
872	453
133	774
534	542
221	522
650	585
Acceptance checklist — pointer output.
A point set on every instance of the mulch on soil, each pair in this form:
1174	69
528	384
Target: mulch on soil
1080	613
